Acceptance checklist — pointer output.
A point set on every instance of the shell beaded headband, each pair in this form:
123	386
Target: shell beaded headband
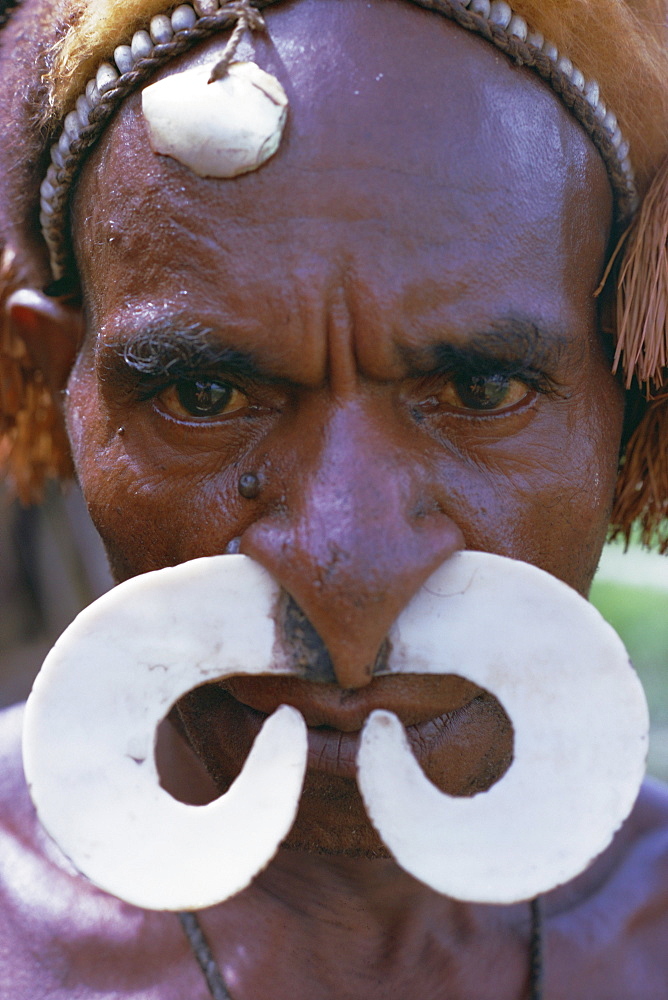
169	35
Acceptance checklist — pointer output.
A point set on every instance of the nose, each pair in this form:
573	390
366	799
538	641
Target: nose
357	531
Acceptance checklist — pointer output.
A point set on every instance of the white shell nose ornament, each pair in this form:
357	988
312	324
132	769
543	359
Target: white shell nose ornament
90	725
562	675
580	722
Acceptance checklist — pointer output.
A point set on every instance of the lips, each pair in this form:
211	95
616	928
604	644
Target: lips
333	752
413	698
430	708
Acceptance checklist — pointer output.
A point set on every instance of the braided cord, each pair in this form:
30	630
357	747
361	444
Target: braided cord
203	954
248	20
536	951
218	990
54	225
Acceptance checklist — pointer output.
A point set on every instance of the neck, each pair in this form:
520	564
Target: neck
312	918
321	884
310	921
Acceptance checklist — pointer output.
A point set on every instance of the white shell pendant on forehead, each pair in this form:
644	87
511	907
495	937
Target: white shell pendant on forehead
220	129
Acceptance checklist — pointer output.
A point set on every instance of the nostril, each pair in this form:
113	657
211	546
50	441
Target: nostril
304	651
423	508
351	572
300	645
433	506
380	665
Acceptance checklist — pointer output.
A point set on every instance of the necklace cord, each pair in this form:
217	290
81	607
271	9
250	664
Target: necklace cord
536	951
218	990
204	956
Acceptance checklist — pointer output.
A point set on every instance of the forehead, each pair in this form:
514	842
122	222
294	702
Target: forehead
418	163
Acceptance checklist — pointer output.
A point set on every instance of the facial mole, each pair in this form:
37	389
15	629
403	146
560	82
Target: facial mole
249	485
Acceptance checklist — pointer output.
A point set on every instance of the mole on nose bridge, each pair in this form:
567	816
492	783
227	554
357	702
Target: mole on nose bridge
348	548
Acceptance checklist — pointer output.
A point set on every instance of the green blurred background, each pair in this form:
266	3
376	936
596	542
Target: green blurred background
631	592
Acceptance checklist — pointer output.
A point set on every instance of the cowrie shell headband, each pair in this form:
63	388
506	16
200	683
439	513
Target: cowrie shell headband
578	711
168	35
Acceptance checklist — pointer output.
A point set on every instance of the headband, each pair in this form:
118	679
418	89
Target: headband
168	36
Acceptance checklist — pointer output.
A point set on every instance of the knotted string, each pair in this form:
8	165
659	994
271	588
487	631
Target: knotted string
248	19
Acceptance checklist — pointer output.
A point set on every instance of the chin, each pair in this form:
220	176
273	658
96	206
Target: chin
332	820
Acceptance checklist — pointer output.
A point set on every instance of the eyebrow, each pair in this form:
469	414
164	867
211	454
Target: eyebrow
511	344
169	351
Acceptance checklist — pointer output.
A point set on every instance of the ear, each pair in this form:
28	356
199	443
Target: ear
51	329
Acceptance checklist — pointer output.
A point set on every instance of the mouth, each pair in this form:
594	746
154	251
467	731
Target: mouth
432	710
331	751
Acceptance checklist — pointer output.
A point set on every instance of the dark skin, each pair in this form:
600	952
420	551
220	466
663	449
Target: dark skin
399	338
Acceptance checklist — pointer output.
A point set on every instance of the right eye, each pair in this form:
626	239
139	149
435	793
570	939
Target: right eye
201	399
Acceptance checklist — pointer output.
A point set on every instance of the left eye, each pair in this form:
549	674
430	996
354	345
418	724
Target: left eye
480	392
201	398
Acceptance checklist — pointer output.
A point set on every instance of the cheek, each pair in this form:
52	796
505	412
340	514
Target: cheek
542	495
150	510
546	498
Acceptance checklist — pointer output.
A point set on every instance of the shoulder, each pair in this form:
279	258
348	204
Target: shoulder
31	878
19	826
59	935
643	859
651	811
609	927
15	805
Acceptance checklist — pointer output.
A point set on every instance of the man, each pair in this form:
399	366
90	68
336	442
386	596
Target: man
391	331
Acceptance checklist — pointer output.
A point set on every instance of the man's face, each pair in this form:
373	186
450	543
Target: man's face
392	324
